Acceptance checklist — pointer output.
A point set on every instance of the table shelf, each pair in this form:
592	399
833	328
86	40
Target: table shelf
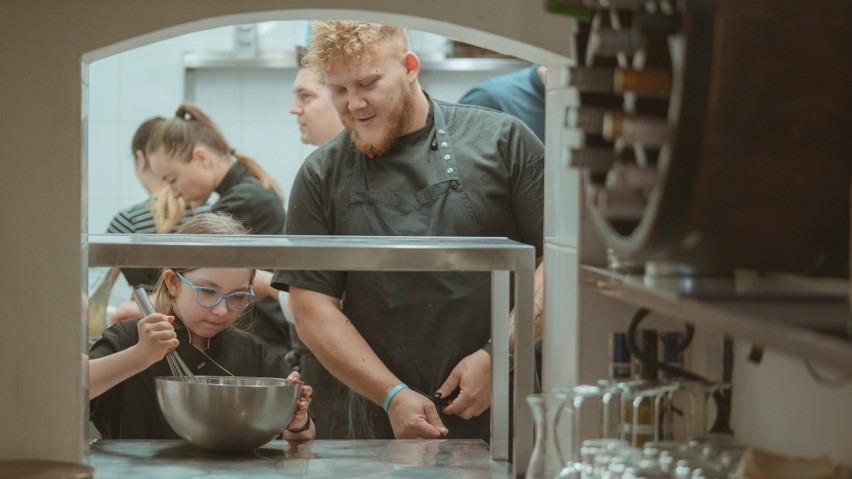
500	256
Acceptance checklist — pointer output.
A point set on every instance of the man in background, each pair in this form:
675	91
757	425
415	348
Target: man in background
318	120
520	94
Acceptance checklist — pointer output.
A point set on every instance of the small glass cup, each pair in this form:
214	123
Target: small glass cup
611	420
547	459
620	462
685	468
729	455
655	448
668	459
582	401
596	454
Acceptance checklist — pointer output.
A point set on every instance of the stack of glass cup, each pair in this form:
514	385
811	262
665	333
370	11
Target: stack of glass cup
630	430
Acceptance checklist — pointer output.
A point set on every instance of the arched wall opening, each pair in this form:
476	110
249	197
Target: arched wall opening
46	95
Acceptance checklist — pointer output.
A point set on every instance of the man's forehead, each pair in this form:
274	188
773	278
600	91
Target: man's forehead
306	80
344	70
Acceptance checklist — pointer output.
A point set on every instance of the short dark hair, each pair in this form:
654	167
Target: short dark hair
300	55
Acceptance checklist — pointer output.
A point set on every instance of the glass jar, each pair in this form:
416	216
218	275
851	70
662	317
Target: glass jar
546	461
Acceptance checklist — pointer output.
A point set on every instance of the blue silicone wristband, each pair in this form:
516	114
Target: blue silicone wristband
399	387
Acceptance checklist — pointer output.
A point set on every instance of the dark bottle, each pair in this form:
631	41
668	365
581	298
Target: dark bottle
670	354
614	4
609	42
571	8
653	82
619	356
595	160
650	132
644	429
671	417
647	339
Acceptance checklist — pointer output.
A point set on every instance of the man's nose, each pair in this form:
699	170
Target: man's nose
296	108
356	102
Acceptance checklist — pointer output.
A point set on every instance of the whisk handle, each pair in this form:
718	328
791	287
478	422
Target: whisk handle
141	297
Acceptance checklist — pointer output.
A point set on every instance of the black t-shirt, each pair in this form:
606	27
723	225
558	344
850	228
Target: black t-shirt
499	159
242	196
260	210
130	409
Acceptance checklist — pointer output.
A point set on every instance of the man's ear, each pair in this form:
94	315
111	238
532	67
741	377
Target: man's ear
412	65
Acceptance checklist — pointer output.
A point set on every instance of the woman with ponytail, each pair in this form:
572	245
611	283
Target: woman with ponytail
161	213
192	156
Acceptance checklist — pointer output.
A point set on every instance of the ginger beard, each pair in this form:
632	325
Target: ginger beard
397	124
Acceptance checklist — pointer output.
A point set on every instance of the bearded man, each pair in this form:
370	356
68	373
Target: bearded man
410	166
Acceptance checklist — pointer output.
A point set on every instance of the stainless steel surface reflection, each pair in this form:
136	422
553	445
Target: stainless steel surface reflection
227	413
351	459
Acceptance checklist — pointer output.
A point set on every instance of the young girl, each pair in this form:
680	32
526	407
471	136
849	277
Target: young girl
198	308
189	153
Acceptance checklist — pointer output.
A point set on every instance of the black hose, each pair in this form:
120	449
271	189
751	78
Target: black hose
633	347
721	398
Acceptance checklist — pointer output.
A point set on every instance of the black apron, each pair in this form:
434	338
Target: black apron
419	324
330	399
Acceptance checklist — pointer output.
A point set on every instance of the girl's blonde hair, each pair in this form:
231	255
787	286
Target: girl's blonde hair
210	223
349	41
190	128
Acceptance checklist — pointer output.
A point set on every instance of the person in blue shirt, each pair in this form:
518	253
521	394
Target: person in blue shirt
520	94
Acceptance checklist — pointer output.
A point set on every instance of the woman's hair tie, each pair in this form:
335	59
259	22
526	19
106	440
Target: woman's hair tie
233	152
183	115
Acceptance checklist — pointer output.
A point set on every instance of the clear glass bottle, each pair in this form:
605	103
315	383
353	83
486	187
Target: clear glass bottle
546	460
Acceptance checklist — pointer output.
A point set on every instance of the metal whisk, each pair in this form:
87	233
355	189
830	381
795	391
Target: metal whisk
178	367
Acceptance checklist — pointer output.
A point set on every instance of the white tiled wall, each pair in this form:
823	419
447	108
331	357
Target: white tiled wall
251	106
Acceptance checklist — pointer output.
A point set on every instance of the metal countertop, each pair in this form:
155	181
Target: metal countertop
351	459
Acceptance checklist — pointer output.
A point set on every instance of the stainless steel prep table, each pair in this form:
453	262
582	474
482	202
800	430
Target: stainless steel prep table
350	459
500	256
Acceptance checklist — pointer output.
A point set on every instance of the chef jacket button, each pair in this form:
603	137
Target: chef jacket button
449	170
454	184
444	144
447	157
441	131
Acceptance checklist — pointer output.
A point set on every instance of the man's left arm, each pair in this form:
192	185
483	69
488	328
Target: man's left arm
524	157
472	375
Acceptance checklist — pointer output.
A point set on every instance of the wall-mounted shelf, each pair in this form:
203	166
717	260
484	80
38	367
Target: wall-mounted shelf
800	316
287	60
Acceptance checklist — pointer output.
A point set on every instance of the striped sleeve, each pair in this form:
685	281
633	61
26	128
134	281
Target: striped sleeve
136	219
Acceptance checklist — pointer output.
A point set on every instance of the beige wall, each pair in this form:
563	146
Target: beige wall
42	44
42	243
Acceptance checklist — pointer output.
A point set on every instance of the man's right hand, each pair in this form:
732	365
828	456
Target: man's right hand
413	416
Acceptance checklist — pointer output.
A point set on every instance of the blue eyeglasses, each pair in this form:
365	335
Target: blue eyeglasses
210	297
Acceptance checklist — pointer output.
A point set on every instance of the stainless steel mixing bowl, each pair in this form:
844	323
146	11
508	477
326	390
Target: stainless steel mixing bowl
227	413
